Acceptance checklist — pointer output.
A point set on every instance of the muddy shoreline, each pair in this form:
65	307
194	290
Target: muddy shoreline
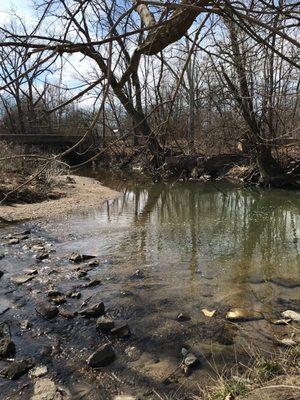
75	194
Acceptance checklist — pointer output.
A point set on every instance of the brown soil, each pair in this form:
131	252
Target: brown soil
72	194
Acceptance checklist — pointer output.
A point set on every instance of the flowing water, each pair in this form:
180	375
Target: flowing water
169	248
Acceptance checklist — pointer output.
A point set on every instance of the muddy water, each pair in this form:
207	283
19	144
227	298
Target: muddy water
164	249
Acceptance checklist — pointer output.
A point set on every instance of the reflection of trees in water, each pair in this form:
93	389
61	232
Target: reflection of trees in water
201	221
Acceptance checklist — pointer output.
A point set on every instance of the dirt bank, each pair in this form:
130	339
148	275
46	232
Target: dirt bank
76	194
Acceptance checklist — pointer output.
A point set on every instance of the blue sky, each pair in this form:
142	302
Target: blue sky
22	7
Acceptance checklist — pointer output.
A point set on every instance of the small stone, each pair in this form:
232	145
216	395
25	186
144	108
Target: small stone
25	324
7	348
102	357
190	360
77	258
23	237
96	310
104	324
93	263
13	241
287	342
17	368
30	271
66	313
93	283
20	279
37	372
47	310
81	273
241	315
38	248
121	331
41	256
183	317
26	232
74	295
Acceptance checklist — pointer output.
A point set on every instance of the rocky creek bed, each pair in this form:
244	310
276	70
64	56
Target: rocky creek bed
80	320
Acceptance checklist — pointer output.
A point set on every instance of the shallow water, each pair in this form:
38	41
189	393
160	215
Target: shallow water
197	246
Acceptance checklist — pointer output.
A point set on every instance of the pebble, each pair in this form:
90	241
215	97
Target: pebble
102	357
25	324
47	310
241	315
7	348
104	324
95	310
37	372
20	279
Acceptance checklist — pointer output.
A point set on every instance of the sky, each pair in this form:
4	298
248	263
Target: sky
22	7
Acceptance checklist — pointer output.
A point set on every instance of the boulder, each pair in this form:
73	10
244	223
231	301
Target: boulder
102	357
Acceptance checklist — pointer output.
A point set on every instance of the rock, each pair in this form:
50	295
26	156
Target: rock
287	342
1	273
22	237
41	256
3	308
74	295
25	324
26	232
81	273
183	317
20	279
104	324
77	258
17	368
93	263
102	357
13	241
190	360
2	256
37	372
30	271
46	389
96	310
133	352
290	314
241	315
66	313
93	283
60	299
37	247
47	310
125	397
7	348
121	331
208	313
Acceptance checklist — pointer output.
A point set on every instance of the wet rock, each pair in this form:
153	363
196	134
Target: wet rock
17	368
7	348
13	241
81	273
30	271
96	310
241	315
25	324
121	331
93	283
20	279
104	324
102	357
77	258
43	255
290	314
47	310
38	372
74	295
286	282
183	317
46	389
66	313
1	273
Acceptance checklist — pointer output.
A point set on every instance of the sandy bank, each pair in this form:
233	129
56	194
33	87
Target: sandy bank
78	194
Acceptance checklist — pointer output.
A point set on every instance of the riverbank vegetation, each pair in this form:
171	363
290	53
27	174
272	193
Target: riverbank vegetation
161	86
